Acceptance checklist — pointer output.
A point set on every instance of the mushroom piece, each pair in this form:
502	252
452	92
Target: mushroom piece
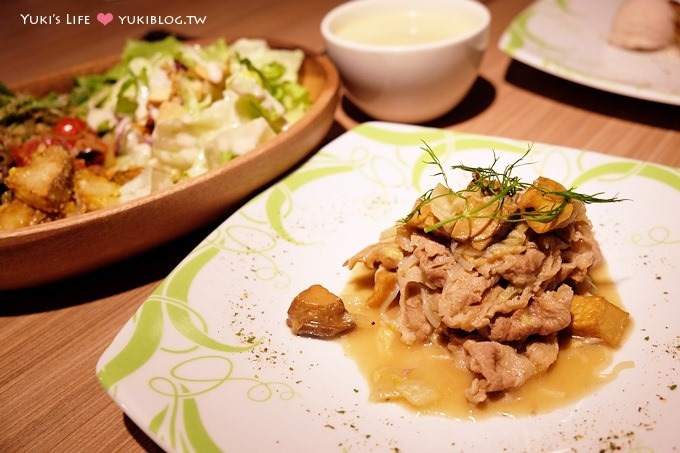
317	312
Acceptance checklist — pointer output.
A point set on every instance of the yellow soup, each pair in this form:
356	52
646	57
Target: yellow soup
401	28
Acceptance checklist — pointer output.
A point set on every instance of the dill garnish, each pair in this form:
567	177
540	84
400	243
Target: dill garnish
496	187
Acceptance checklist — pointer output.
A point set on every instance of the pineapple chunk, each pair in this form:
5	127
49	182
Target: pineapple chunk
17	214
536	200
45	183
317	312
595	316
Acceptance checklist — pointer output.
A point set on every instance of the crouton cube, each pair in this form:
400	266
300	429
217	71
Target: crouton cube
595	316
45	183
93	192
17	214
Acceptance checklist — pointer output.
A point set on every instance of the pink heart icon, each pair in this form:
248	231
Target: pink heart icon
105	18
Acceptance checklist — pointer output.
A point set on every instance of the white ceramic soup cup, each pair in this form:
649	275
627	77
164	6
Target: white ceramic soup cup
407	60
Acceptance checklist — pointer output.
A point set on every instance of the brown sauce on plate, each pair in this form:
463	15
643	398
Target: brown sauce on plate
582	366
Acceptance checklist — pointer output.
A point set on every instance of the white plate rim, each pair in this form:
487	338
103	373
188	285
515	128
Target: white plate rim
573	425
531	49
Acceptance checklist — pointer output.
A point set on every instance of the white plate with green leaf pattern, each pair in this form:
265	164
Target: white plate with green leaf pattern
568	39
208	364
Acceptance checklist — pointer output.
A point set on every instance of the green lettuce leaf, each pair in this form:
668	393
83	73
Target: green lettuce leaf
146	49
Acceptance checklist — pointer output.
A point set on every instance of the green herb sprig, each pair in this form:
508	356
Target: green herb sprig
498	186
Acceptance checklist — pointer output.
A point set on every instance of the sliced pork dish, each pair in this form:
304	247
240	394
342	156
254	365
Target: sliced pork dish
497	272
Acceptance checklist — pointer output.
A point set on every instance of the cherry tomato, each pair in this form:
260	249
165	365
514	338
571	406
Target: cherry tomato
73	134
69	127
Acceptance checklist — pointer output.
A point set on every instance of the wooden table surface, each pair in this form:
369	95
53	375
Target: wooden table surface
52	336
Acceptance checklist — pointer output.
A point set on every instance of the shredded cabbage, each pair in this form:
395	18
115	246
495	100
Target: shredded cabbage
180	109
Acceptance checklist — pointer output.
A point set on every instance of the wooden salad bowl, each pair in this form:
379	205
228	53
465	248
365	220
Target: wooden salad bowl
62	248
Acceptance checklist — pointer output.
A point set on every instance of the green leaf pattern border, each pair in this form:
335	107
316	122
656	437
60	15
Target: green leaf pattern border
520	43
179	422
519	35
